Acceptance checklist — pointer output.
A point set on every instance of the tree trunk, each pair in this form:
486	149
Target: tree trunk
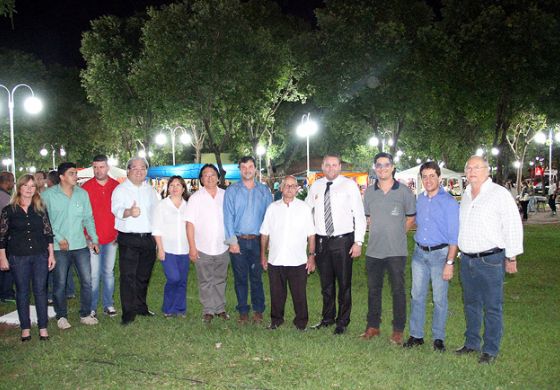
503	122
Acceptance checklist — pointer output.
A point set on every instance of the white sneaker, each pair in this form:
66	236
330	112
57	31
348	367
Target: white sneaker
63	323
89	320
111	311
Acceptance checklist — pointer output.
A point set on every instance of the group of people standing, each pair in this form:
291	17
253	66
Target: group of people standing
288	237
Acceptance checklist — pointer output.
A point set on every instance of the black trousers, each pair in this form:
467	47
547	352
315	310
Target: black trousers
524	205
376	268
552	202
280	277
136	260
335	266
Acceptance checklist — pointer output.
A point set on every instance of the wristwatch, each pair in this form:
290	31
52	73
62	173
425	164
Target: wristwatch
450	262
359	243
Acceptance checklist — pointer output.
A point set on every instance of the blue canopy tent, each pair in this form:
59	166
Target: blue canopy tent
190	171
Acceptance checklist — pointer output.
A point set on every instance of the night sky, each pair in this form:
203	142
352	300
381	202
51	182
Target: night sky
52	29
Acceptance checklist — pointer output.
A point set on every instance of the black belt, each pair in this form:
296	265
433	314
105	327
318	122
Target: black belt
490	252
432	248
141	235
335	237
248	236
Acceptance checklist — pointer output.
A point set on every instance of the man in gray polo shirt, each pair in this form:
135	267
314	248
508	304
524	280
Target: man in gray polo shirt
391	208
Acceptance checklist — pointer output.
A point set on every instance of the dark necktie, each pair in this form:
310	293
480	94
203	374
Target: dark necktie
329	226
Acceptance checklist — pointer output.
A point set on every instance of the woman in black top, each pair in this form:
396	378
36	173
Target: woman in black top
26	248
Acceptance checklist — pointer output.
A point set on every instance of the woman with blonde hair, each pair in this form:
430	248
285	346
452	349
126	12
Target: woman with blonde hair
26	248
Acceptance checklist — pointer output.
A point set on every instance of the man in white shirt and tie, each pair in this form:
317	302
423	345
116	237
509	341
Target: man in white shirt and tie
490	239
340	225
132	204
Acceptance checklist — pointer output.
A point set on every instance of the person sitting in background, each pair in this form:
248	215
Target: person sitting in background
169	228
26	235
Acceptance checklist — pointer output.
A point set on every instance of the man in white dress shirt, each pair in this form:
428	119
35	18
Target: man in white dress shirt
340	225
490	238
205	231
132	204
288	226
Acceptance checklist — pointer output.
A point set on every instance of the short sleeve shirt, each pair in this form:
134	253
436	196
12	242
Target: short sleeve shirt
388	212
288	226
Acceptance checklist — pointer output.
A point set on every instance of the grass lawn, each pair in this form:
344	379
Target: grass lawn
178	353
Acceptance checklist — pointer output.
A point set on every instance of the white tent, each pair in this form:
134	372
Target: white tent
114	172
414	174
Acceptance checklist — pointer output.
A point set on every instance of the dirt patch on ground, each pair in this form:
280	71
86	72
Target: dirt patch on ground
7	331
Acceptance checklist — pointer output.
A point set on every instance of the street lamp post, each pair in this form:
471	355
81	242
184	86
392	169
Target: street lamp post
374	142
306	128
44	153
185	138
32	105
261	150
7	162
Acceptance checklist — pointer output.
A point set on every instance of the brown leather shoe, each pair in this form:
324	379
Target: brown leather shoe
397	337
243	319
223	315
207	318
370	333
257	318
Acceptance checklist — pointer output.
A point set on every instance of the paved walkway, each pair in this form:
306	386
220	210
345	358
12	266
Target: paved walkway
543	218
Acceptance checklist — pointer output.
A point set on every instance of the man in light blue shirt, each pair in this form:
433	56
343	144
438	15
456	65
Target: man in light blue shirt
437	221
245	204
70	212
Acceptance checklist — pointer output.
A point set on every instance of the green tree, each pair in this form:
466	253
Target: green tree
220	64
365	68
495	60
111	48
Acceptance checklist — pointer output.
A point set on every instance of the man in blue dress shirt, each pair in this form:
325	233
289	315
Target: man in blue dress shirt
437	221
245	204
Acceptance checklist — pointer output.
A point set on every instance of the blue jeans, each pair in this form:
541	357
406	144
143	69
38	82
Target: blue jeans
247	269
34	269
176	269
483	296
102	265
428	266
70	288
81	259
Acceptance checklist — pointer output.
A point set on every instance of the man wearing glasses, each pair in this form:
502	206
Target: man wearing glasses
132	203
490	238
340	226
288	223
390	207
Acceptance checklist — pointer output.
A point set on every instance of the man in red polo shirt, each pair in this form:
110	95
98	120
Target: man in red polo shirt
100	189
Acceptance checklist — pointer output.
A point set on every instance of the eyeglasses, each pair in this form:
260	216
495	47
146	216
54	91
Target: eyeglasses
380	165
291	186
